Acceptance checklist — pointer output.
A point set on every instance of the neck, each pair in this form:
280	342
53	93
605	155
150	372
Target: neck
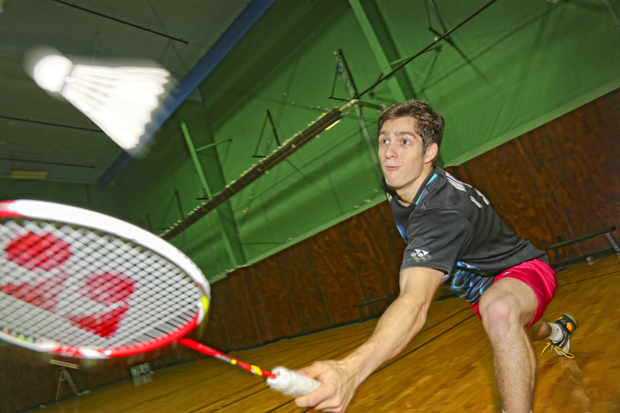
406	195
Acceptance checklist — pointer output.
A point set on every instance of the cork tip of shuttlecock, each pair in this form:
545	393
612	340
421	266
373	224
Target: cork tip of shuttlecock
50	72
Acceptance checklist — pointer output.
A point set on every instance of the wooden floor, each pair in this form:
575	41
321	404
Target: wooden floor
447	367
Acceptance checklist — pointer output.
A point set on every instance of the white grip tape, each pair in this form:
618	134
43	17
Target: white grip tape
292	383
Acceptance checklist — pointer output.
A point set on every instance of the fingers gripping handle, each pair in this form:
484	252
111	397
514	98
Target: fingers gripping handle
292	383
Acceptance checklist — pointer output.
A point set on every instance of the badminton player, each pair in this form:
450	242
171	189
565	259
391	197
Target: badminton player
454	237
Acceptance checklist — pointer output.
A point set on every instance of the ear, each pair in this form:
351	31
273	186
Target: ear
431	153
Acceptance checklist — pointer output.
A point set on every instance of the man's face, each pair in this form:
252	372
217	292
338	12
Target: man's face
401	155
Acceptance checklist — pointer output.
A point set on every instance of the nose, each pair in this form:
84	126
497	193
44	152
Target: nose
390	150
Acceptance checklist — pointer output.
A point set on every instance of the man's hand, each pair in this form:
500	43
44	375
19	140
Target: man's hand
337	387
396	327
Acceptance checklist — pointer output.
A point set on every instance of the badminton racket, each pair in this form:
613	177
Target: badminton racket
83	284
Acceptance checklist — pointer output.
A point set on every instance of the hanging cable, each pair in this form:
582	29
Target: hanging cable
403	64
120	21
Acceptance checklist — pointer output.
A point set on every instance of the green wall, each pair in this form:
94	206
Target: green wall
517	65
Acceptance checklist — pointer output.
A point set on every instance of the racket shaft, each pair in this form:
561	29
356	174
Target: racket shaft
224	357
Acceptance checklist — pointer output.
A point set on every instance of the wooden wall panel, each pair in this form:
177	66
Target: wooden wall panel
611	107
301	274
560	158
372	259
387	233
273	307
385	227
5	381
538	149
21	377
237	310
601	163
213	330
578	184
337	275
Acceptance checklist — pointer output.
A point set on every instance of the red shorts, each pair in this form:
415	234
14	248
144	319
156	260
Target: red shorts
539	276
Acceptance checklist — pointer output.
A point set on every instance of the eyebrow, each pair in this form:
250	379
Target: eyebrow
399	133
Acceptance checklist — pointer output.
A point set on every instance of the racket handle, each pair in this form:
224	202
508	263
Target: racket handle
224	357
292	383
282	379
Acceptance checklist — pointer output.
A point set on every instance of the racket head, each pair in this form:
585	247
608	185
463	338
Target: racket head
83	284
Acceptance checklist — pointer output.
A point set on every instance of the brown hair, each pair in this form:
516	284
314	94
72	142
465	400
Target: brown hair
429	124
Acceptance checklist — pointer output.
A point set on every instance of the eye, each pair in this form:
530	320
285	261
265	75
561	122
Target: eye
383	141
406	141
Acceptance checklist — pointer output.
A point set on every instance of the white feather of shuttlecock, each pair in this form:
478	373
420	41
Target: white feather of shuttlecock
120	100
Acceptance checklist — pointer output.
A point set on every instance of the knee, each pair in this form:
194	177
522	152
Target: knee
498	316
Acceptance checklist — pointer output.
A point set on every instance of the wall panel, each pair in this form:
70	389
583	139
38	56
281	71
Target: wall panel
302	280
273	307
371	258
215	323
237	310
337	274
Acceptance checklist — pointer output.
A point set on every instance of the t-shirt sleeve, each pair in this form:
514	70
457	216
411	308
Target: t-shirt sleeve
435	239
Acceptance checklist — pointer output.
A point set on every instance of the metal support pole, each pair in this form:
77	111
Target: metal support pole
377	49
194	155
358	110
212	145
203	182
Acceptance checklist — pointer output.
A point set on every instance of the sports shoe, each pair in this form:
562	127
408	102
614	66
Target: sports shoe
568	324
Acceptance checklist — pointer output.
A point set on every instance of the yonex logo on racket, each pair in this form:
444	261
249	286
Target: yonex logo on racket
44	256
33	251
111	290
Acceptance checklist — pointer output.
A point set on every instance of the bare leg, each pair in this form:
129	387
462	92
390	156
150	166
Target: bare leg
539	330
506	308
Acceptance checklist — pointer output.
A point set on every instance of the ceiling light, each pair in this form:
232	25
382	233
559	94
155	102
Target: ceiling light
28	174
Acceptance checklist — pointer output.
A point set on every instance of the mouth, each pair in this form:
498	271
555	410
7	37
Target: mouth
390	168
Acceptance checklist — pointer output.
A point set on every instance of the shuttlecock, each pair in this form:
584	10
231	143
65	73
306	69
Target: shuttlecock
120	99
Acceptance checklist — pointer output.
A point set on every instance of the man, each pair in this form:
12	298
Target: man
453	237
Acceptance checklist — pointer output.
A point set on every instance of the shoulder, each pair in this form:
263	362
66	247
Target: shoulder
440	193
448	192
437	221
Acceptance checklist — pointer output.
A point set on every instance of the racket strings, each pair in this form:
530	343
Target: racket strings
88	288
154	323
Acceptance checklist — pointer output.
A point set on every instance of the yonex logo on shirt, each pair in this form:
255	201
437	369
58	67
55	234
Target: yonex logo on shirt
420	255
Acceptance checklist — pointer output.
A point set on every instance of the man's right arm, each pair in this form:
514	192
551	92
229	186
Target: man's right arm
402	320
